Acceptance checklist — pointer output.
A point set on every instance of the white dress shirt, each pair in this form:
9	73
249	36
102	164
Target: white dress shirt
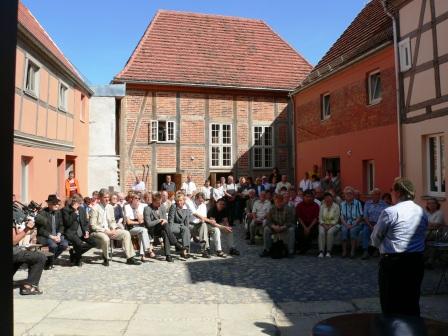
261	209
207	192
139	186
189	187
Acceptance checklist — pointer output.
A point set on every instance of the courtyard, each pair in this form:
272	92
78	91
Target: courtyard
245	295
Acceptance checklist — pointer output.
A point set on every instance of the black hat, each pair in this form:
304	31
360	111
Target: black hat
53	199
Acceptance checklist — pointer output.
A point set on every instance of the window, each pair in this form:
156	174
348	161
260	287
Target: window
374	87
63	89
32	78
404	49
436	164
263	147
82	115
370	175
25	165
221	145
162	131
325	112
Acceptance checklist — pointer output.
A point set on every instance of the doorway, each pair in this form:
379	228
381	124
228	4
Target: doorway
217	176
176	178
331	164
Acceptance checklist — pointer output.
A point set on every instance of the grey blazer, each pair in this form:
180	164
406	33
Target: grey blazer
153	216
179	216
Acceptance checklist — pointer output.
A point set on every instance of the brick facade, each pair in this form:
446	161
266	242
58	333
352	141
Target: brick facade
193	112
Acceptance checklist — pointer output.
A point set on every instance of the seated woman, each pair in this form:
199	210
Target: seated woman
328	224
351	217
436	229
134	220
179	221
118	210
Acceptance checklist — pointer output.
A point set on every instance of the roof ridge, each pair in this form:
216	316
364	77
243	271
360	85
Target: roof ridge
49	38
188	13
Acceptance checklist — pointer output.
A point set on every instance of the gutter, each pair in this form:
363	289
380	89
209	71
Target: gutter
346	65
208	86
397	88
54	59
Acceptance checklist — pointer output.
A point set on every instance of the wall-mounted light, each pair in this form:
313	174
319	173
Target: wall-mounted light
349	152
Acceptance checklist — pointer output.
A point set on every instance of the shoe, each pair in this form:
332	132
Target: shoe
169	258
205	254
265	254
78	263
220	254
33	290
48	267
183	253
234	251
105	262
328	255
321	255
365	255
132	261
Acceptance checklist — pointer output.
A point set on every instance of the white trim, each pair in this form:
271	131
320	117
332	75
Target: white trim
63	106
263	147
405	53
220	146
324	114
373	101
439	176
154	136
33	93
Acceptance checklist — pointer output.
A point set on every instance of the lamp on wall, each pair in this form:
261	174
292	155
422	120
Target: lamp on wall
349	152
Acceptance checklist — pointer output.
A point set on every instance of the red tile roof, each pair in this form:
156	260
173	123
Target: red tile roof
369	29
216	51
31	25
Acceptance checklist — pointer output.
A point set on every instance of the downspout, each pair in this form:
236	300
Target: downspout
397	87
293	147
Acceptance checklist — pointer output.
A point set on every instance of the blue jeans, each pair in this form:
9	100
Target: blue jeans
366	233
349	234
57	248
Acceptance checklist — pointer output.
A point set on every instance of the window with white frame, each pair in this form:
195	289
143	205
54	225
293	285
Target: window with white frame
263	147
325	107
374	87
220	145
404	50
370	175
163	131
63	90
436	164
32	78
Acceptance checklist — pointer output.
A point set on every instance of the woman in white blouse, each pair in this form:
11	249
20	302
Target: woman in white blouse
437	228
328	224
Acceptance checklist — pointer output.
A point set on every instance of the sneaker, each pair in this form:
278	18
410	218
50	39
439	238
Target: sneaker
321	255
328	255
234	251
365	255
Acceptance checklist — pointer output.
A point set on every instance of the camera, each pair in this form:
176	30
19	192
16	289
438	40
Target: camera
22	213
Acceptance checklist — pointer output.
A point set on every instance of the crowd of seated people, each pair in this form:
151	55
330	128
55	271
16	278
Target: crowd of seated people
316	211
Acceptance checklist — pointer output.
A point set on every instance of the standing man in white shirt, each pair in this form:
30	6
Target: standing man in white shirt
189	186
206	189
283	184
139	185
260	211
400	235
306	183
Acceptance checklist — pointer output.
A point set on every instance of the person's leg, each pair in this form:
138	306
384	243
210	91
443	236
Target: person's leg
35	261
411	271
103	242
216	236
330	237
203	236
267	238
344	237
125	237
291	240
186	236
321	239
252	231
354	238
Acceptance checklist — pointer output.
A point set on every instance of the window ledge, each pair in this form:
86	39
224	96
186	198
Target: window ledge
62	109
325	118
30	93
375	102
440	198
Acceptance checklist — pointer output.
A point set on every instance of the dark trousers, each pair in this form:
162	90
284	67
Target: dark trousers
80	245
35	261
400	277
57	248
304	241
183	232
168	236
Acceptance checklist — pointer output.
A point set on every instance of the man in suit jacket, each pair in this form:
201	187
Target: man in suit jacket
76	226
50	229
154	216
104	228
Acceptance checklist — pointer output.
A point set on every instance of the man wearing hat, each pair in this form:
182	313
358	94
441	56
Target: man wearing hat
50	228
400	236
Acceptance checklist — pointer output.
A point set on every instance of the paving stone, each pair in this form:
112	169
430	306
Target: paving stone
314	307
368	304
179	327
21	328
94	311
295	326
32	311
50	327
169	311
254	327
249	311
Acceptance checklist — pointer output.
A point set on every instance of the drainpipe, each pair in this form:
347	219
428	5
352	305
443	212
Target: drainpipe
397	87
293	140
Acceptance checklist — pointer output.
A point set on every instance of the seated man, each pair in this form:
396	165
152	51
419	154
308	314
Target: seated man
307	214
104	228
280	225
155	219
259	214
179	221
219	222
33	259
198	221
50	229
76	228
372	212
134	220
248	211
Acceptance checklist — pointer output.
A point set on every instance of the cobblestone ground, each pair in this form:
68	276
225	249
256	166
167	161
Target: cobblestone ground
242	279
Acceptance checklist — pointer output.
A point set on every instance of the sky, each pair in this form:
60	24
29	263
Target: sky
99	36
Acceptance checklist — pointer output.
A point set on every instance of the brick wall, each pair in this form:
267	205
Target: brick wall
196	111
